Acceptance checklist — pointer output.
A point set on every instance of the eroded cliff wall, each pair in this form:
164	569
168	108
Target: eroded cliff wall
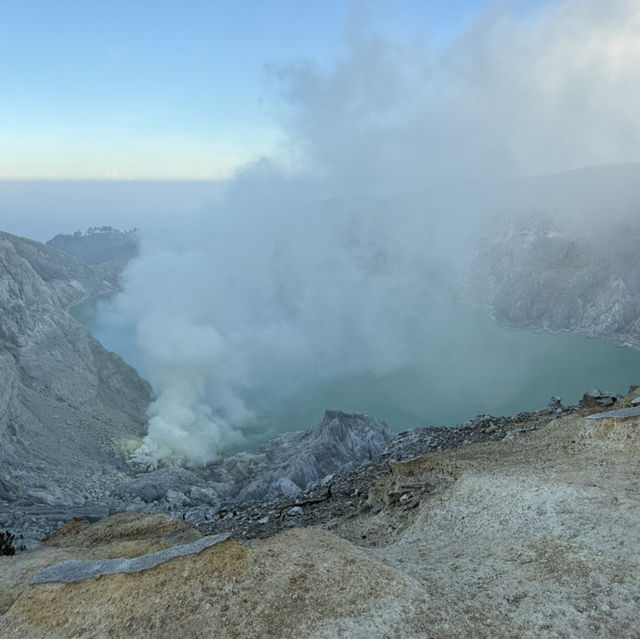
66	404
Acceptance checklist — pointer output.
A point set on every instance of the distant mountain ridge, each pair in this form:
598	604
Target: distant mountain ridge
98	244
105	249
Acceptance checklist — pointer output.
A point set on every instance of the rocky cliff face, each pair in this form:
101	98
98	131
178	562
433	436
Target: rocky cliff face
285	467
66	404
535	275
69	408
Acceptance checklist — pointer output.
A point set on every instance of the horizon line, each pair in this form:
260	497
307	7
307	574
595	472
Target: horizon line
115	180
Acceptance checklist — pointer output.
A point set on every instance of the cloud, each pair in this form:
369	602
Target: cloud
344	260
518	94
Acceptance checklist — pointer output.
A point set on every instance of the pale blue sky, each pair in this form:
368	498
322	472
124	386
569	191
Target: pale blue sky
165	89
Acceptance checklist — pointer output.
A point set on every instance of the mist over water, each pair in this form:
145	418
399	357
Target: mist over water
471	366
343	269
267	302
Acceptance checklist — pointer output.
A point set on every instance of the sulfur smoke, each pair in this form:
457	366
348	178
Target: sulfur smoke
345	254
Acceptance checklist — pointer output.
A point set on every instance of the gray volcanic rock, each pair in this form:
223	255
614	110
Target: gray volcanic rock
167	487
71	571
562	255
69	281
595	397
286	466
66	404
294	461
621	413
534	275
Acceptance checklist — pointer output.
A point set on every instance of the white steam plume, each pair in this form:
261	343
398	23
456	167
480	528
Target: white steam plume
341	262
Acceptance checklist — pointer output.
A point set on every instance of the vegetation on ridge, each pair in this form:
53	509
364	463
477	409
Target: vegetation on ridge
98	244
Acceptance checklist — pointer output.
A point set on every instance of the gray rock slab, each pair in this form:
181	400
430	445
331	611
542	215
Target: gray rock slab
621	413
75	570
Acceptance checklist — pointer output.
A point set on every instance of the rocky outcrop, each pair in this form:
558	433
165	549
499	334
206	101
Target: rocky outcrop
534	276
74	570
565	256
286	466
294	461
524	534
68	280
66	404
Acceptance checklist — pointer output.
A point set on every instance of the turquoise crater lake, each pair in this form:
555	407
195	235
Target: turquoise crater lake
467	365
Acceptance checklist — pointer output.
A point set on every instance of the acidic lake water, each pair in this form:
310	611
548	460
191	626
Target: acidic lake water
472	366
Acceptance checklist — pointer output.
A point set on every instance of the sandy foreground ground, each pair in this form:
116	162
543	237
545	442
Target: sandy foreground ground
536	535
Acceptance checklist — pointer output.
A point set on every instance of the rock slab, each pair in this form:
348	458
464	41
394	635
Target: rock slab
73	570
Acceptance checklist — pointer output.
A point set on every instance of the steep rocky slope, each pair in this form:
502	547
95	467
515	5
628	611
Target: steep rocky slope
105	249
528	535
284	468
564	256
535	276
70	412
66	404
